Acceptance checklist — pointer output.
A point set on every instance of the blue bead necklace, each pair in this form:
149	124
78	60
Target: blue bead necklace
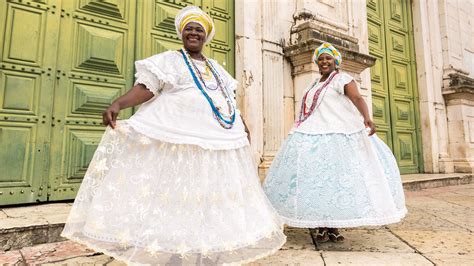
225	120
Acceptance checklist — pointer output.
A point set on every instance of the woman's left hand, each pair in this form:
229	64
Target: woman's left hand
370	124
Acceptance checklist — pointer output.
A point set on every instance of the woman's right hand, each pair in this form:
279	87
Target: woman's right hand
109	116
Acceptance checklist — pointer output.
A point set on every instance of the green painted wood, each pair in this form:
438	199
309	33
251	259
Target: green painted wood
156	32
96	68
393	79
62	63
28	42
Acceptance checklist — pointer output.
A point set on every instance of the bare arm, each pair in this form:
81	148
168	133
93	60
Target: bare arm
351	91
138	94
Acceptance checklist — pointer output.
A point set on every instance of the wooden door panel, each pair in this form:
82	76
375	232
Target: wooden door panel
28	41
393	85
96	69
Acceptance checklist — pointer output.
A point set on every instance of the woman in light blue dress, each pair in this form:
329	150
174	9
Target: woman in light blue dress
332	171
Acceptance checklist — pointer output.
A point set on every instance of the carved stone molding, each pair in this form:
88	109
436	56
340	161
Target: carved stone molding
310	35
459	86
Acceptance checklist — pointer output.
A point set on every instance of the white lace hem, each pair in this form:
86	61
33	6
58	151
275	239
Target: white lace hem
346	223
127	260
177	138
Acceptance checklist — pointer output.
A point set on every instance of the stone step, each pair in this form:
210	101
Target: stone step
42	223
415	182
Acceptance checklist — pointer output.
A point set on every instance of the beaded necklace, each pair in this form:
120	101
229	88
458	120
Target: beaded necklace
225	120
305	114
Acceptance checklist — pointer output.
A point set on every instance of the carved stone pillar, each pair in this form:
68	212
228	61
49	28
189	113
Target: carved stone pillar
458	92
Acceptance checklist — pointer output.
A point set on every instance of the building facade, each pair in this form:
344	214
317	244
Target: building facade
413	60
63	61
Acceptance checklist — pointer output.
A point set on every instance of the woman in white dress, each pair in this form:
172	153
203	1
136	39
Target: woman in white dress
175	183
332	171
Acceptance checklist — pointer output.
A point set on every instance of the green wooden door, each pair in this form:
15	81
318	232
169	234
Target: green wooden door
394	93
156	32
28	39
94	66
62	63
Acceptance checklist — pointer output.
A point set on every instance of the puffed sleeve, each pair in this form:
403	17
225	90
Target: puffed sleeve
341	80
153	73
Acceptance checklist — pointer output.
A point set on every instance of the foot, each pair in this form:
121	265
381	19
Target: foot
335	236
322	235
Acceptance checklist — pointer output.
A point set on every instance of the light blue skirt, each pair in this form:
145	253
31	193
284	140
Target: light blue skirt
335	180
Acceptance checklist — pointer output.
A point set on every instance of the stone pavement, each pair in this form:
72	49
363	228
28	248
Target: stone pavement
438	230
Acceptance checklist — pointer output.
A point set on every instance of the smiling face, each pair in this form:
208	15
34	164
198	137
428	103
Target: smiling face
326	64
194	37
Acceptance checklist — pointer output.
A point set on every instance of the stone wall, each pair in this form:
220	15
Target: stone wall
273	75
274	39
445	67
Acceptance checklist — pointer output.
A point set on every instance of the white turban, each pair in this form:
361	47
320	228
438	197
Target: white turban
194	14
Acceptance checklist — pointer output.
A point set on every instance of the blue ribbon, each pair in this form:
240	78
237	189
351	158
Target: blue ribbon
209	100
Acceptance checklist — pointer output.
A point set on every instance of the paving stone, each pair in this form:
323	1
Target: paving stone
466	191
116	263
373	258
417	219
446	210
451	259
367	240
10	257
83	261
445	242
55	252
22	222
291	257
3	215
298	238
455	198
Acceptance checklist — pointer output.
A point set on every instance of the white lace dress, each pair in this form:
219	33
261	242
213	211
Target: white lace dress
171	186
329	173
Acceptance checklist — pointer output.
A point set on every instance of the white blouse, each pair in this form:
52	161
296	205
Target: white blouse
179	112
334	111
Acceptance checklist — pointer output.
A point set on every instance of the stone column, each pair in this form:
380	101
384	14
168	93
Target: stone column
429	65
248	70
458	80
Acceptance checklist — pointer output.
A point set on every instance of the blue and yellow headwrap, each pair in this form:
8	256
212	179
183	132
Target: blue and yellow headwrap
194	14
327	48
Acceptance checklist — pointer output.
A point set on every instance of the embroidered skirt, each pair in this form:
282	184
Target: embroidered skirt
144	201
335	180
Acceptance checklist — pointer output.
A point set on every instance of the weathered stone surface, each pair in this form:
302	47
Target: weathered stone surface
367	240
16	240
445	210
451	259
373	258
446	242
85	260
454	198
417	219
292	257
10	257
298	238
55	252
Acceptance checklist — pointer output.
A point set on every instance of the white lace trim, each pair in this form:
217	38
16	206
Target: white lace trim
127	260
346	223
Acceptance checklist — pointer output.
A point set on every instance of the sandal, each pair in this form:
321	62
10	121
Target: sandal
322	235
335	236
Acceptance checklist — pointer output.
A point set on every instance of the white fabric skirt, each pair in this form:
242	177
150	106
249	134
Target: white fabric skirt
145	201
335	180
